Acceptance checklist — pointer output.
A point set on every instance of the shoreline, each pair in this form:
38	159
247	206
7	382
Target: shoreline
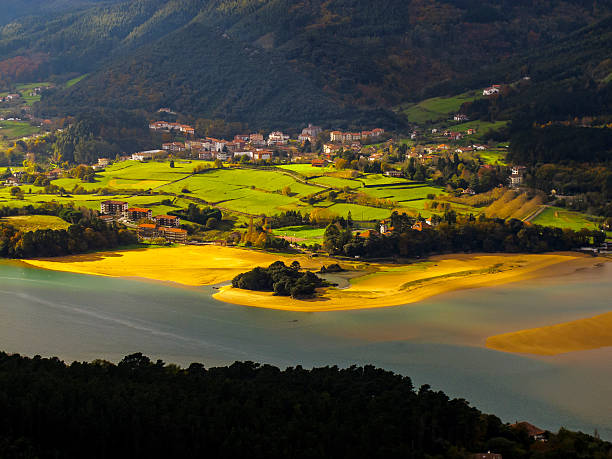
371	285
388	288
561	338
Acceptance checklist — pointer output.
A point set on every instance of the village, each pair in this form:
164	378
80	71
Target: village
416	162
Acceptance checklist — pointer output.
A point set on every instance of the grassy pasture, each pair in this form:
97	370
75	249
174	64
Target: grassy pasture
17	129
493	157
74	81
27	223
249	191
481	126
562	218
302	234
307	170
438	108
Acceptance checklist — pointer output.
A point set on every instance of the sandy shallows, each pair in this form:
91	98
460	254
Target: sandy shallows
371	284
394	285
187	265
577	335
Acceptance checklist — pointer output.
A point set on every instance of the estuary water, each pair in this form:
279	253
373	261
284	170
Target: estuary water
437	342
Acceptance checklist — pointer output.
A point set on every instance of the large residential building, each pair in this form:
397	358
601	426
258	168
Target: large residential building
277	138
174	234
167	126
216	144
257	140
173	146
145	155
147	230
312	130
113	207
339	136
167	220
260	155
137	213
310	133
330	148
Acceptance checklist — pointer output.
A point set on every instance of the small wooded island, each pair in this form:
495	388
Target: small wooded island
281	279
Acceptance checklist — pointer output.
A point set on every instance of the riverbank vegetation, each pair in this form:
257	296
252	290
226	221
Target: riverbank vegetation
413	238
55	230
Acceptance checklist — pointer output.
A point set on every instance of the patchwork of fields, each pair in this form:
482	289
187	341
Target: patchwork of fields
245	192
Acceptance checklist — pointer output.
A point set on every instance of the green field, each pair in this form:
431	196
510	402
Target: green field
438	108
302	234
25	89
27	223
562	218
17	129
493	157
74	81
307	170
237	191
482	127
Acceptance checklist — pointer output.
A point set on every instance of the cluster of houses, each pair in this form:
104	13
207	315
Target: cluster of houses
10	97
344	137
167	126
166	226
254	146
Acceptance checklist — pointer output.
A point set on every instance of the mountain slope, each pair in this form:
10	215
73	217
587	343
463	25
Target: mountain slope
332	59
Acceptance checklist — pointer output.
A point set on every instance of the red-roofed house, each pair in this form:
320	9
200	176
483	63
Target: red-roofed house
174	234
113	207
167	220
136	213
147	230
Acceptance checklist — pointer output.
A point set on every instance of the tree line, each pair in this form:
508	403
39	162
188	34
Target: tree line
141	408
86	233
454	234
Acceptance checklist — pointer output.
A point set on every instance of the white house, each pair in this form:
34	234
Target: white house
494	89
144	155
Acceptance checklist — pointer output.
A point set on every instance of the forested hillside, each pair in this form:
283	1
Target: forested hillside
279	61
141	408
11	9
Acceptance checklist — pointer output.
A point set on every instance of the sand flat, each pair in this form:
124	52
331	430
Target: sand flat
186	265
577	335
371	285
393	285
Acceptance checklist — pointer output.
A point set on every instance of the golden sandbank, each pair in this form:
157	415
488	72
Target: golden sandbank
395	285
577	335
186	265
371	285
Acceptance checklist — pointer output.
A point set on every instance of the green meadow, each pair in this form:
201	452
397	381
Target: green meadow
26	223
493	157
562	218
17	129
244	192
438	108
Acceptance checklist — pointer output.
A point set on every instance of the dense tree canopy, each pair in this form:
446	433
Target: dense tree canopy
141	408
